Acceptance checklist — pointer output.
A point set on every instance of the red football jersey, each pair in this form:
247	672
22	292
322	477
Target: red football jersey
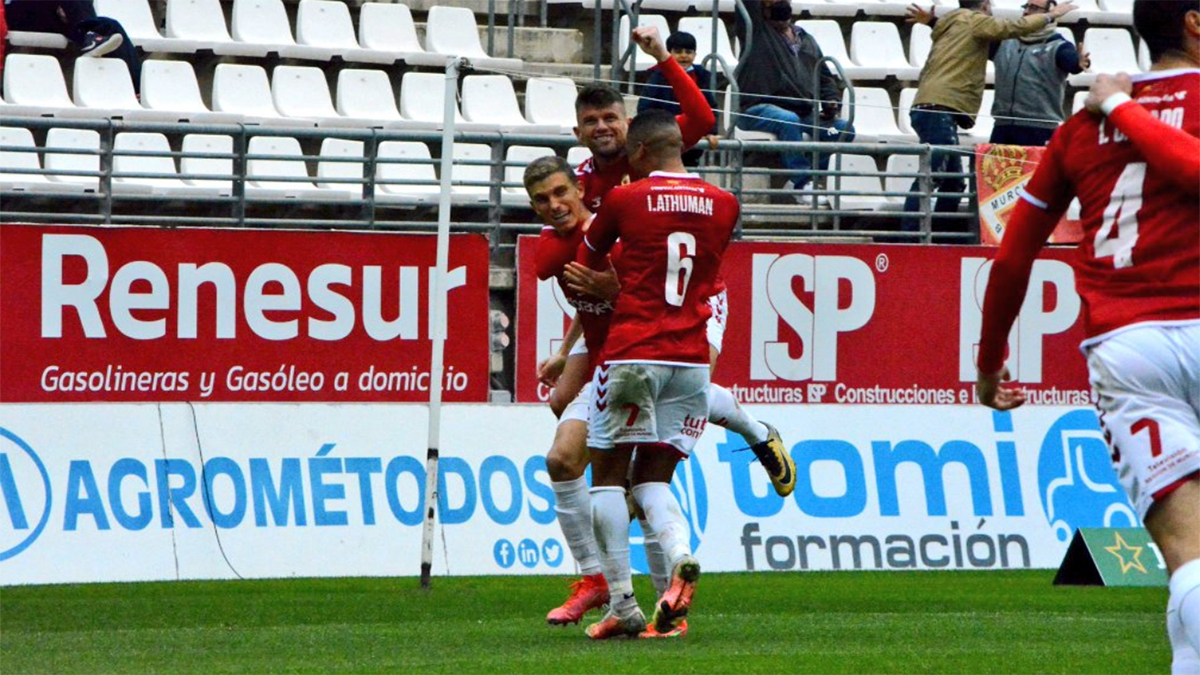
1139	260
554	252
674	229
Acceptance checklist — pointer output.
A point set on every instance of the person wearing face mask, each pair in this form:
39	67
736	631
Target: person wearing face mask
780	85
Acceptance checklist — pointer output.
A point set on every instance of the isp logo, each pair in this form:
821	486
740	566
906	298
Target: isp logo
24	495
1076	480
689	488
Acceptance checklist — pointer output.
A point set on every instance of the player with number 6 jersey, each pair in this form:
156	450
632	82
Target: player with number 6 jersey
1133	159
674	228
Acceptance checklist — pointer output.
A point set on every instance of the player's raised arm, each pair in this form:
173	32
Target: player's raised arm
696	116
1171	151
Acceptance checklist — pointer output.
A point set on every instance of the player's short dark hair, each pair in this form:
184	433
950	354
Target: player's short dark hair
598	97
657	129
971	4
1160	23
681	40
543	167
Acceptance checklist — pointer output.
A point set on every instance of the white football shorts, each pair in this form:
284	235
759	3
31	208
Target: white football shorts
1147	380
648	403
719	304
578	409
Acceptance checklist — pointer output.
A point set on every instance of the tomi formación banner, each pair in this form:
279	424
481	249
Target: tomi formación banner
92	314
854	324
123	492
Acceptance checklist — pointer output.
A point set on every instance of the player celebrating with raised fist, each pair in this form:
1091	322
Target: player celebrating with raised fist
649	391
1134	162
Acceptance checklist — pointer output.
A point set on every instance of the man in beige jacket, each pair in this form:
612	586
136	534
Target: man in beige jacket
951	87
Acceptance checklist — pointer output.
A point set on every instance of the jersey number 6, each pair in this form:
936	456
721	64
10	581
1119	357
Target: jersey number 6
681	249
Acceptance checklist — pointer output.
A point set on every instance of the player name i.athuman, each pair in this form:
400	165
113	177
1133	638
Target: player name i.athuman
672	203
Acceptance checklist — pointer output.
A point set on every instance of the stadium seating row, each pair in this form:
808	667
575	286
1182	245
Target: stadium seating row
877	51
1106	12
324	30
72	166
295	96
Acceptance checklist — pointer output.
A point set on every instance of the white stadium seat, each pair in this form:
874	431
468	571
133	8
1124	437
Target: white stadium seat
20	159
829	38
701	27
192	168
864	164
1112	52
338	148
452	31
519	157
423	188
104	84
1078	101
367	96
169	184
203	22
738	133
551	100
389	27
265	22
263	175
170	86
38	40
900	164
984	122
491	99
920	40
327	24
86	162
135	17
829	7
36	80
876	45
422	96
578	155
1144	61
244	90
301	91
479	175
907	96
640	60
874	116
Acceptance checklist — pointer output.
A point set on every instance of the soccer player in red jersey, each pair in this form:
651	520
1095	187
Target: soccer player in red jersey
1136	170
601	125
555	195
649	391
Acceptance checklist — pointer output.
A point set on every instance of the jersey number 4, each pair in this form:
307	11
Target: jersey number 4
681	251
1118	232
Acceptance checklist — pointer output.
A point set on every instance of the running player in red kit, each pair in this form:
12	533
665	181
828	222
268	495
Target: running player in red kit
650	389
1134	162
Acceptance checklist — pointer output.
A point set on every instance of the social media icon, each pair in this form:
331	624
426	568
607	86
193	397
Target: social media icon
503	553
552	552
527	552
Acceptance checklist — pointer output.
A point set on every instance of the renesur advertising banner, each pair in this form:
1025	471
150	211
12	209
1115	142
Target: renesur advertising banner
94	314
854	324
123	492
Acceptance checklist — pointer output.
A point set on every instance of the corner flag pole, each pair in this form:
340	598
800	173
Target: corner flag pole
437	328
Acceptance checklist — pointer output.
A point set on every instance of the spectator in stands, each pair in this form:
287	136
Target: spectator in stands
950	90
657	92
1030	113
77	21
780	85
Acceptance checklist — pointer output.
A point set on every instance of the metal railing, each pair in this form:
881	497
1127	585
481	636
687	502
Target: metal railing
493	201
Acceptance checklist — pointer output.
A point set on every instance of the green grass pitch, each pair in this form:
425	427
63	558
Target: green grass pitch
840	622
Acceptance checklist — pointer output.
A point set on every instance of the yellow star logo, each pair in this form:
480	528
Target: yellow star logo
1134	559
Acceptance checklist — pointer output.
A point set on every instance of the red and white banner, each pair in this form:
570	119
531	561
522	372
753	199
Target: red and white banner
151	314
1002	172
858	324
